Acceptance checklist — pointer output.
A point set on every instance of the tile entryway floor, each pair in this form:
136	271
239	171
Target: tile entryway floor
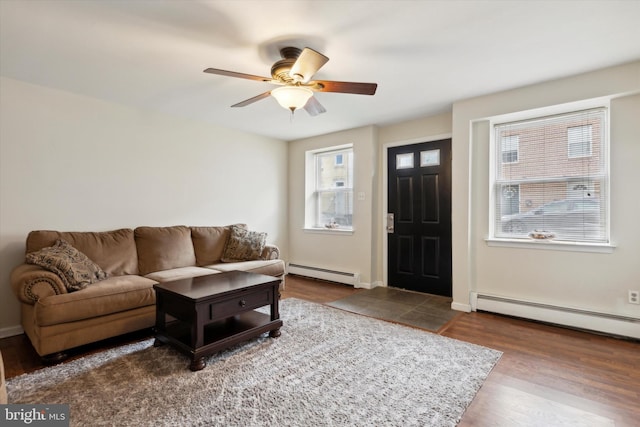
416	309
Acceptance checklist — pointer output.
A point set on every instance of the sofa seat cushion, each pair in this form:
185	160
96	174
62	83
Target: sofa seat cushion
271	267
179	273
164	248
112	295
114	251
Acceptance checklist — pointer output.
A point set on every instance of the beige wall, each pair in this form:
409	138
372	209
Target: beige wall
587	281
145	168
409	132
349	252
364	251
69	162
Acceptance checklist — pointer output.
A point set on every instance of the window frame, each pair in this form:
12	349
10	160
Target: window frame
606	246
314	189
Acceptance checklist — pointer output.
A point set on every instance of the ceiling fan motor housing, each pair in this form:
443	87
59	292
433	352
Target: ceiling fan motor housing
280	70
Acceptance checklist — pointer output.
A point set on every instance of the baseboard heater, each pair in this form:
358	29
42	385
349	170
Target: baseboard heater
577	318
324	274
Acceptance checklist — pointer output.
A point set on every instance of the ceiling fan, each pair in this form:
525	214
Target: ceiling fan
293	74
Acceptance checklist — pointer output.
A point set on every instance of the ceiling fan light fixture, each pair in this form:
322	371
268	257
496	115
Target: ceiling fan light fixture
292	97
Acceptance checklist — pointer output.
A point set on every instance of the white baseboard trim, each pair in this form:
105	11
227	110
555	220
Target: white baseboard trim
348	278
11	331
364	285
377	284
576	318
461	307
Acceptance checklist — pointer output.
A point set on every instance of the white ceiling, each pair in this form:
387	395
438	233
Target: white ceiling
424	55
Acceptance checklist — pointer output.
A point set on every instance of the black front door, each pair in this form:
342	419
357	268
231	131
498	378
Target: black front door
419	217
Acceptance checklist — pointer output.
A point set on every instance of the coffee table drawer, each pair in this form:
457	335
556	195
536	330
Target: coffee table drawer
248	301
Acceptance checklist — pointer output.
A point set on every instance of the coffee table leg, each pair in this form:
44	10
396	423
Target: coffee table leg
157	343
198	364
275	333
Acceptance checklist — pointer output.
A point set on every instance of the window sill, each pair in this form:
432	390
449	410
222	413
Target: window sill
336	231
603	248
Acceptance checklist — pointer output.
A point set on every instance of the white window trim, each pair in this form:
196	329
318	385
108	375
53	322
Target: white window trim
310	177
335	231
605	248
549	244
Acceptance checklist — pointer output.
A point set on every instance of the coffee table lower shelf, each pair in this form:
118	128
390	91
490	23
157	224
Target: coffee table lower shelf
218	335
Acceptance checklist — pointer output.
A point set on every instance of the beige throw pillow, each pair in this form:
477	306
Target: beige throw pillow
243	245
73	267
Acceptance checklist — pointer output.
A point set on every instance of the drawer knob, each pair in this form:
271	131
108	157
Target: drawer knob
242	303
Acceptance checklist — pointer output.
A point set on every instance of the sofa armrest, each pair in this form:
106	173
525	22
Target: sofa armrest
3	387
270	252
31	283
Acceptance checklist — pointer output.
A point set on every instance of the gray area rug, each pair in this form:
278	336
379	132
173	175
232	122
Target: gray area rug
329	367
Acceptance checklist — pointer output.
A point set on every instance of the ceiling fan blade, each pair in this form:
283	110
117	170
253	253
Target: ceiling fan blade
343	87
307	64
313	107
252	100
239	75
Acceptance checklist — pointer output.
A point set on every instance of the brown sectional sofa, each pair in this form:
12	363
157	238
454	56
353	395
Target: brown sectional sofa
55	319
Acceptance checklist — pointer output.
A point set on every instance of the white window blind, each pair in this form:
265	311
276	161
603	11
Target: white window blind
554	185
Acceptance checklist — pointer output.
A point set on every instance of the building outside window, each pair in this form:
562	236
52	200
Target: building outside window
550	175
579	141
331	201
509	148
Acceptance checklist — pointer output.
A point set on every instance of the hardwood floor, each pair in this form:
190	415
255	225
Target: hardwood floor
547	376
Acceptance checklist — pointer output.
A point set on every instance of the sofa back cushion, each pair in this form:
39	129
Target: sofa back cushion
114	251
164	248
209	242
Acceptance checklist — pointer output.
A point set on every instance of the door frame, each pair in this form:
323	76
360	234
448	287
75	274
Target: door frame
385	195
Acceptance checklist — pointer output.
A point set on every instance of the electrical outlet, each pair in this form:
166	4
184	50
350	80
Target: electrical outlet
634	297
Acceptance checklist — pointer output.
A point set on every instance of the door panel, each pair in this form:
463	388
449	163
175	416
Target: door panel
405	200
430	206
419	197
405	255
431	257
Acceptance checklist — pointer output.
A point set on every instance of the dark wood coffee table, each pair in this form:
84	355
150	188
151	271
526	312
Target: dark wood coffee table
203	315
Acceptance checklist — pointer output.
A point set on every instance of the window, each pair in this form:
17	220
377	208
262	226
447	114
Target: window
579	141
404	161
330	205
550	175
510	201
509	148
